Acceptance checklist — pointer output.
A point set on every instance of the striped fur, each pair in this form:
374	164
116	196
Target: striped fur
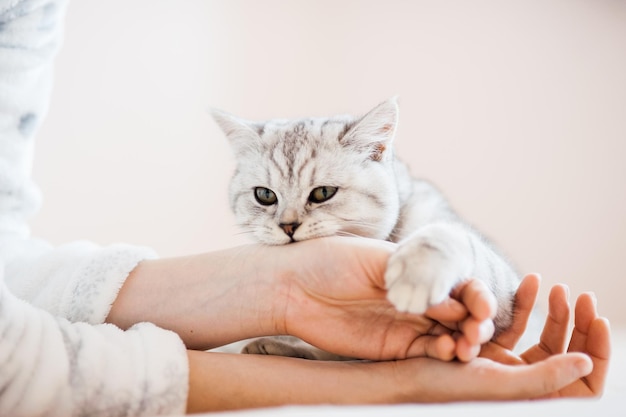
376	197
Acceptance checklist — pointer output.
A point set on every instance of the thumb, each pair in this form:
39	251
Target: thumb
548	376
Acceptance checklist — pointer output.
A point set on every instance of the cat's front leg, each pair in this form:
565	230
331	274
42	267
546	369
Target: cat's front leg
427	265
437	257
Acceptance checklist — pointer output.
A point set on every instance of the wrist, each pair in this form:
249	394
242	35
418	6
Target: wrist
209	299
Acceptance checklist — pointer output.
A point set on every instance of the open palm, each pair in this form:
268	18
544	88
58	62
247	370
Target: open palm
590	336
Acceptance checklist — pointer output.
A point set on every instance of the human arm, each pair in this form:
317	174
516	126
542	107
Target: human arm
544	371
309	289
221	381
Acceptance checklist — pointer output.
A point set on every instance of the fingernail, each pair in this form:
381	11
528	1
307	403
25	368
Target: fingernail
594	299
486	331
583	366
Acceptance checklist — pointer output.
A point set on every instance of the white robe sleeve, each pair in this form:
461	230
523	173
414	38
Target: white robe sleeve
53	367
56	356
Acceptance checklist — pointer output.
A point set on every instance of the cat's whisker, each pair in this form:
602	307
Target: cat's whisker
357	221
328	227
244	232
348	234
361	224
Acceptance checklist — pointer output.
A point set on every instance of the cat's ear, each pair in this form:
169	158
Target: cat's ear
243	135
374	132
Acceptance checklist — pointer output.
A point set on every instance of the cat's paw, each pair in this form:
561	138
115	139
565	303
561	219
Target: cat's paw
289	346
427	266
280	346
271	346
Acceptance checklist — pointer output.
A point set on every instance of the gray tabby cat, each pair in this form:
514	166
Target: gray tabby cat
314	177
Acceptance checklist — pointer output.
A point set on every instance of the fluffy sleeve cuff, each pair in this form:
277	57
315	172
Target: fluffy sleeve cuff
56	368
78	281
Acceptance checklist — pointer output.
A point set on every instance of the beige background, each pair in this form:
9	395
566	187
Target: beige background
516	109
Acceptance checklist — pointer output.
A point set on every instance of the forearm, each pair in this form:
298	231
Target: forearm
224	382
220	381
208	299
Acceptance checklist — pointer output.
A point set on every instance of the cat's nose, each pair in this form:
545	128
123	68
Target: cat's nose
289	228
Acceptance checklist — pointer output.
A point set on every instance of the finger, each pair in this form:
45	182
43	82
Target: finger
483	379
497	353
525	298
477	298
441	347
591	335
585	314
477	332
554	335
550	376
448	311
599	350
438	328
454	315
465	350
555	331
474	334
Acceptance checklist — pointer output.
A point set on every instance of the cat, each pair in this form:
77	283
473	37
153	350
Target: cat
314	177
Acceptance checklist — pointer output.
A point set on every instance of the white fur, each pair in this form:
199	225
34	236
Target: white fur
376	198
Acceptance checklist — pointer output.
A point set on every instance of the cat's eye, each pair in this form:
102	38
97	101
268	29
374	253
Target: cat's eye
321	194
265	196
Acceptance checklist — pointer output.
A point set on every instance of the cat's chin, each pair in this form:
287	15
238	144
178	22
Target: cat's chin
275	242
279	241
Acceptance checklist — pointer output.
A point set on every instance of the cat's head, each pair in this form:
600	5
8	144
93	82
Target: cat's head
308	178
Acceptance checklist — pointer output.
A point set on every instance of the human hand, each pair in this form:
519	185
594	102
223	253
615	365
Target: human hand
225	381
335	299
329	292
590	336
